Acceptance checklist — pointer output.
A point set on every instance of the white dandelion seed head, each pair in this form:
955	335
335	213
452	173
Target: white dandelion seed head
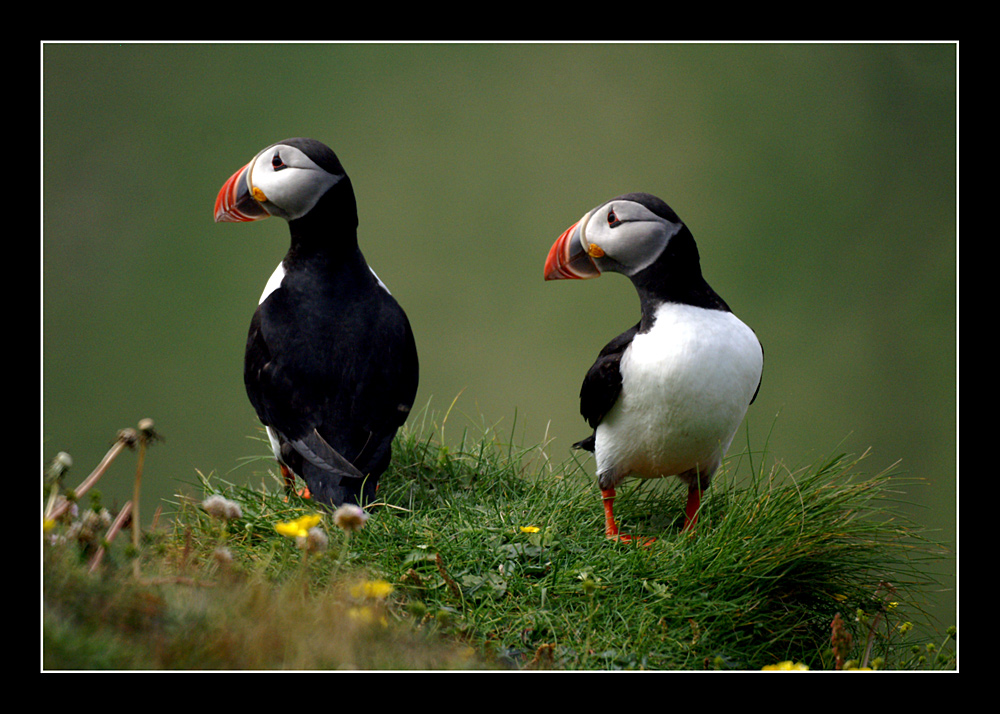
221	507
350	517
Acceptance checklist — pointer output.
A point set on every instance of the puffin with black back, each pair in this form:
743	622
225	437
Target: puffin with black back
665	397
331	363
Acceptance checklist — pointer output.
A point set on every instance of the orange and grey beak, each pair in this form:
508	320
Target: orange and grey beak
569	258
236	201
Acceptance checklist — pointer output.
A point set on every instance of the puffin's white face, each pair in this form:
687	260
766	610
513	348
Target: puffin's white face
280	181
622	236
287	182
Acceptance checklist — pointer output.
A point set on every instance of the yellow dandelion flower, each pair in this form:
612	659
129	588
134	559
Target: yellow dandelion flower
786	666
367	616
299	527
290	529
530	529
374	589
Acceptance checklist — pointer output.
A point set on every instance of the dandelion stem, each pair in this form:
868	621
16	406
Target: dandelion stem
146	436
135	506
116	526
126	437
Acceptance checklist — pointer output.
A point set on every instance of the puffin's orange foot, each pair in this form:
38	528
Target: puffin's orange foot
638	540
289	479
301	493
611	527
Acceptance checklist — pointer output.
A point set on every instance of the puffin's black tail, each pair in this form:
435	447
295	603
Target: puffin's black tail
331	478
587	444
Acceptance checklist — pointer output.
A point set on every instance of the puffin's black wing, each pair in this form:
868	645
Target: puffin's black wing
301	447
336	396
384	387
603	384
261	377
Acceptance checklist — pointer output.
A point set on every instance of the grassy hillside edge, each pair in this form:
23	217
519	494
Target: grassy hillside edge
489	555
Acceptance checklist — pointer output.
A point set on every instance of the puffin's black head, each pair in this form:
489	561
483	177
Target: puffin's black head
625	235
288	180
640	236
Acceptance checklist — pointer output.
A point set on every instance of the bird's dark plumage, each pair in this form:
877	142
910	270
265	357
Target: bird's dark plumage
603	384
331	364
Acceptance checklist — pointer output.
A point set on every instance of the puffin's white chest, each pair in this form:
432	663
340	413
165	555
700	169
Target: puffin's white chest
686	386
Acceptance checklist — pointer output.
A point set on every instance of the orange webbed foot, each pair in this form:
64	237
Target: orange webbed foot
611	527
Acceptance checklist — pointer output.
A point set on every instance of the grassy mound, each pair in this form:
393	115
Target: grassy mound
488	555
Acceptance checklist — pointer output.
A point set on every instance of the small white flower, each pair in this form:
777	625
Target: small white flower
317	540
219	507
350	517
314	541
89	527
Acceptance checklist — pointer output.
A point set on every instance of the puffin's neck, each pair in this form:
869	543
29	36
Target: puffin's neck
326	238
675	277
330	229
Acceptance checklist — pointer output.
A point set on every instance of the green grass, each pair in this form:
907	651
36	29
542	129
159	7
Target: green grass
497	559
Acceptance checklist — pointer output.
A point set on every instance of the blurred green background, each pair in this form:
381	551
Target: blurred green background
818	179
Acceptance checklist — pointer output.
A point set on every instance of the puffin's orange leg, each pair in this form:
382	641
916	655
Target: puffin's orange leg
289	479
691	510
610	526
287	476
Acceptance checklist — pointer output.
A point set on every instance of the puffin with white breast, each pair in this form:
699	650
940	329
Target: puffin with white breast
331	364
665	397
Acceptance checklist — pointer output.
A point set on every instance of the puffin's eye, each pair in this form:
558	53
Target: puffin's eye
276	162
612	218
